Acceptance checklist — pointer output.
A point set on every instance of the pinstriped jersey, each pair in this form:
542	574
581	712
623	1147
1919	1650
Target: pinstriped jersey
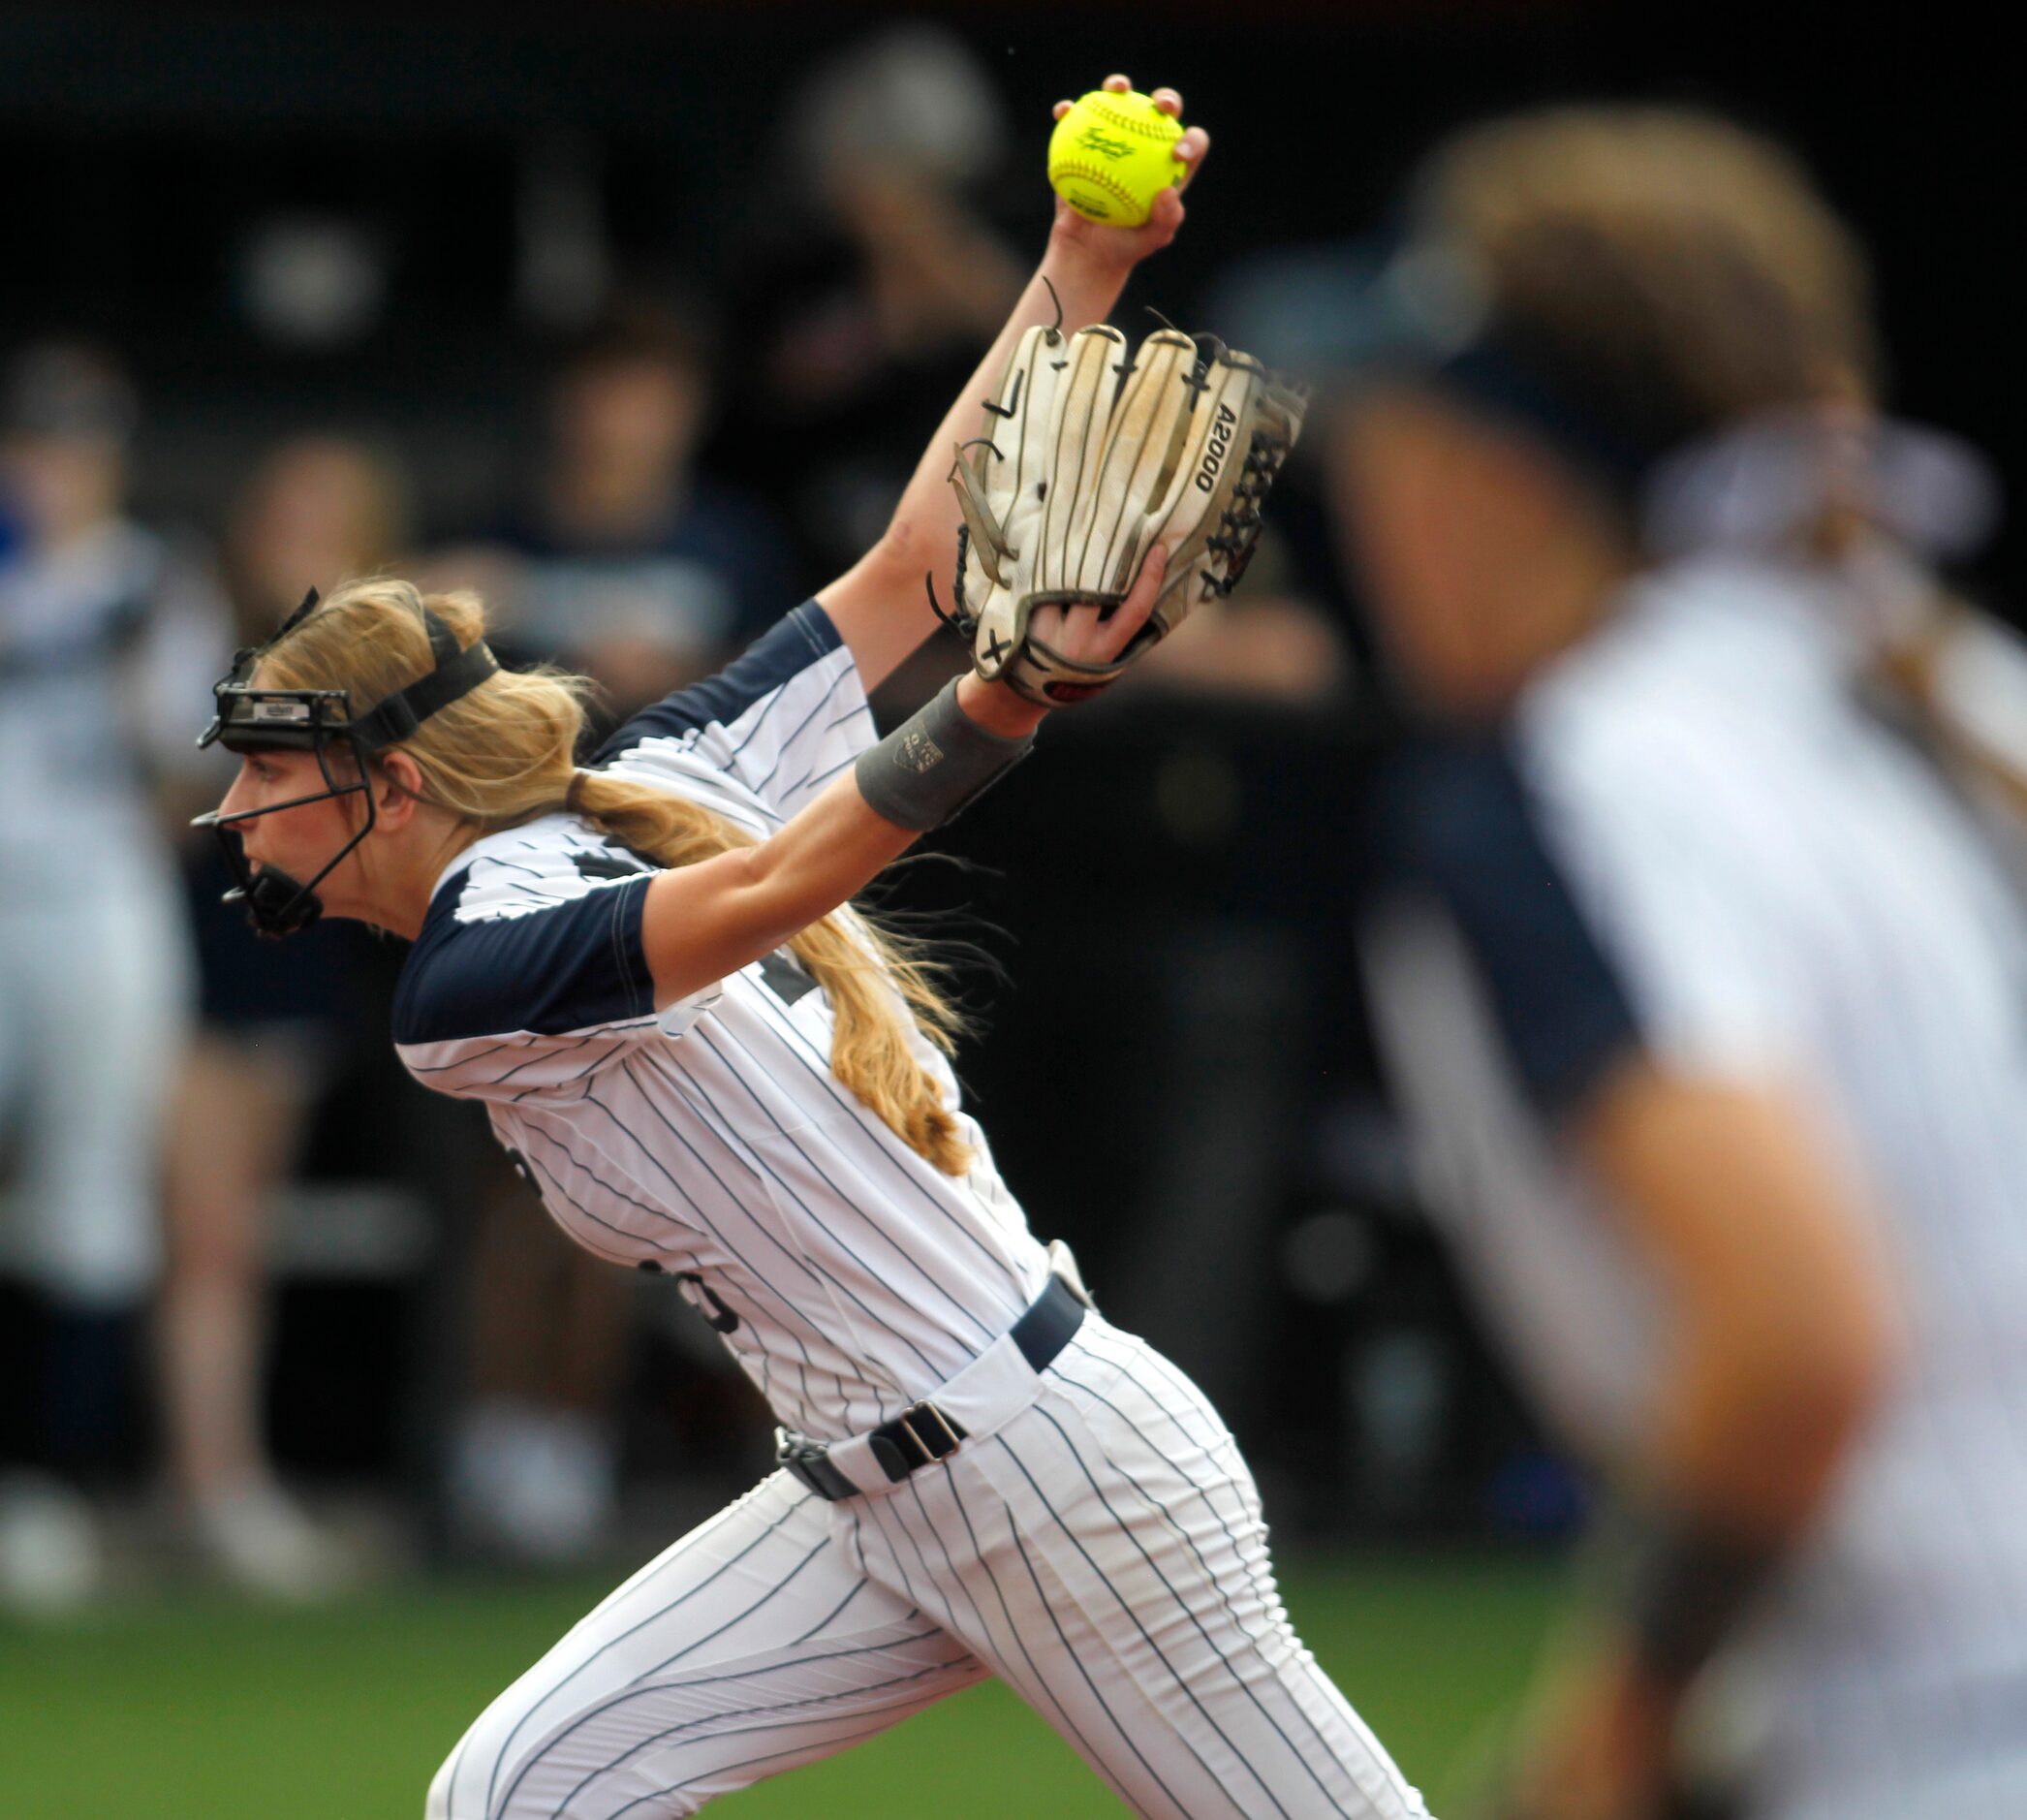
709	1140
1696	840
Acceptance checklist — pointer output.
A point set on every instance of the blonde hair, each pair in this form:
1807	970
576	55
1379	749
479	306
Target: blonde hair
505	753
1680	273
1681	270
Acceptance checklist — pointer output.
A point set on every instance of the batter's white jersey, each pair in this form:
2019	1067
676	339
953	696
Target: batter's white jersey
1694	838
1097	1543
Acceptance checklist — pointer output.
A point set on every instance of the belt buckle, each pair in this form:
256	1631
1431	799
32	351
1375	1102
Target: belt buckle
952	1435
887	1449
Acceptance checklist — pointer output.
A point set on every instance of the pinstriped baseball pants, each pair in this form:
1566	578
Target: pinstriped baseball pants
1102	1554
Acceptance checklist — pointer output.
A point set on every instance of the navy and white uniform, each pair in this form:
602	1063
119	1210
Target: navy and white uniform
1096	1541
1695	839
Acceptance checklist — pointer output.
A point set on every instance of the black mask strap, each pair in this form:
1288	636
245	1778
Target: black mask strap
296	618
457	673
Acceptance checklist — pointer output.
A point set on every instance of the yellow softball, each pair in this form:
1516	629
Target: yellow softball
1111	155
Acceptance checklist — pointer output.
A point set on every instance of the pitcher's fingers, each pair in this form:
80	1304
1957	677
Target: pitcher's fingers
1168	101
1059	110
1138	602
1118	84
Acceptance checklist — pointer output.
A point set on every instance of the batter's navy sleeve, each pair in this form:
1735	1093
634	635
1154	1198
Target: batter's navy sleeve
1455	822
775	726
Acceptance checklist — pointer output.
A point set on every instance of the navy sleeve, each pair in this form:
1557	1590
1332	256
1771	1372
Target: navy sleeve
568	968
1457	821
804	637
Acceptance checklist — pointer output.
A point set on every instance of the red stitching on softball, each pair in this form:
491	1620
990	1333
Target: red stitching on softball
1136	122
1104	179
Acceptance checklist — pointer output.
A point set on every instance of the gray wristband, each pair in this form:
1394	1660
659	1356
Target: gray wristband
1680	1584
933	763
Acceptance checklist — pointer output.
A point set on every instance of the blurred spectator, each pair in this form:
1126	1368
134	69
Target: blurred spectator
107	636
533	1473
316	512
627	563
863	301
623	560
1697	965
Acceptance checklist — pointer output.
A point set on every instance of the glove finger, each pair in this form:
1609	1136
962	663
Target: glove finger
1236	452
1100	490
1142	450
1020	411
1222	388
1015	452
1219	440
1077	442
1082	455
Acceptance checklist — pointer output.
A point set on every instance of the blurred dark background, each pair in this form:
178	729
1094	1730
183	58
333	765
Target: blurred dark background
402	227
153	151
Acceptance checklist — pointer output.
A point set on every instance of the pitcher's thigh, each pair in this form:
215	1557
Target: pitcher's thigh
751	1646
1104	1551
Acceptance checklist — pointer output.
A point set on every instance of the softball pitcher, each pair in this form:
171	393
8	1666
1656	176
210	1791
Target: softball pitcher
713	1071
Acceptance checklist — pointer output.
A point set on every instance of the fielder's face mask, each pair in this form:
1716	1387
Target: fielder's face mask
250	719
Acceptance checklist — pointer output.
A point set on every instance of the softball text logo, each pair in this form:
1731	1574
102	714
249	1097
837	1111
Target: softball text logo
1092	139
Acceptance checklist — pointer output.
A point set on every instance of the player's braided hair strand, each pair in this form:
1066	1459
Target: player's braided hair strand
505	754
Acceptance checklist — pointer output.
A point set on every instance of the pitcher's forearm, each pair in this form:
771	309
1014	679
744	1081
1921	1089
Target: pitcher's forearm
704	921
924	527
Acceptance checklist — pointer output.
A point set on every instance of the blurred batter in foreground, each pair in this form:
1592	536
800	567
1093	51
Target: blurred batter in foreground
1700	970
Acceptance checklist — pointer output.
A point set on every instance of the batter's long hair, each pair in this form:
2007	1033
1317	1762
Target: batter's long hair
505	754
1681	271
1681	275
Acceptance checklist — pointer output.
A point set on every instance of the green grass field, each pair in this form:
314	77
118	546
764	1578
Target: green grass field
201	1709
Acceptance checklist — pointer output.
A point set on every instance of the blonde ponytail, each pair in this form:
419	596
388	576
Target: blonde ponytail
505	754
870	976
